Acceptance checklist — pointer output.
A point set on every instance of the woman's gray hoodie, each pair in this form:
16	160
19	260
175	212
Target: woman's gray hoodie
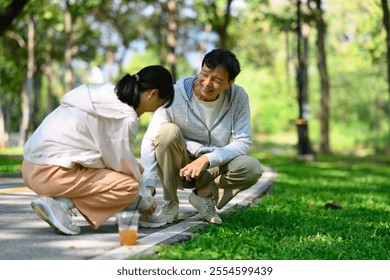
229	137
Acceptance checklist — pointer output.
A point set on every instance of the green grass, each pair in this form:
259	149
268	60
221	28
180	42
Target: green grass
10	164
10	161
294	224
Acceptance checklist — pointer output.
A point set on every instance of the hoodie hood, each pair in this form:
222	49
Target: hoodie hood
100	100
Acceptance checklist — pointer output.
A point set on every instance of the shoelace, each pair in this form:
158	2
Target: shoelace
210	205
168	206
69	208
150	218
72	211
68	223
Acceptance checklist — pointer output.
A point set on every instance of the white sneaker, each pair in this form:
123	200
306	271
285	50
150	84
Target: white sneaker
57	213
169	210
206	208
151	221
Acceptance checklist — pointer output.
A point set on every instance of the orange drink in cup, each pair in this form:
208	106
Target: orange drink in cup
128	236
128	227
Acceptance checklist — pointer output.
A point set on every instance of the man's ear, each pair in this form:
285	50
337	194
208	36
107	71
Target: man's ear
231	82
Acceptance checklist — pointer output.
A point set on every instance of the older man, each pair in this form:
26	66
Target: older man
202	140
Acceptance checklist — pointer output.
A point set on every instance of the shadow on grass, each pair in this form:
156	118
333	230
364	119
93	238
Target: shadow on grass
294	223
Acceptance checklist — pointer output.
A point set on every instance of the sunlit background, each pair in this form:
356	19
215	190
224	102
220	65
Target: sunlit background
52	46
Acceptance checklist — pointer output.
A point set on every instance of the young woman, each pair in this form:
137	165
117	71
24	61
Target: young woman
81	155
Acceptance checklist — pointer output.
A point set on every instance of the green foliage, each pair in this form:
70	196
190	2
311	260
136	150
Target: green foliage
295	224
358	88
266	88
140	60
260	32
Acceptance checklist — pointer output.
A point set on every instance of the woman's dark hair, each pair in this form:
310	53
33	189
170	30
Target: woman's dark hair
225	59
129	87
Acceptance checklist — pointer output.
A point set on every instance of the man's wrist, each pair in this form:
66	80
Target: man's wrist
206	161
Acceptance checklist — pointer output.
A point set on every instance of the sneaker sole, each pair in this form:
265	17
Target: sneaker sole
204	216
151	225
43	212
170	220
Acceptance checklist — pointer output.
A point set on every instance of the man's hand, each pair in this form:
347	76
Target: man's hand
193	169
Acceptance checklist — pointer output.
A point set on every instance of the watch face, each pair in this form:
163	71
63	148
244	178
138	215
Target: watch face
189	184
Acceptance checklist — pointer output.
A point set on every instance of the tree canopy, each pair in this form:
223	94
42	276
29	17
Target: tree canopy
72	37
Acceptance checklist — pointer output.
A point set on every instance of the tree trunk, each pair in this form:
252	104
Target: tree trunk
37	97
162	33
288	55
3	135
220	23
68	49
8	14
322	69
305	151
222	32
27	90
172	36
386	21
52	101
110	60
203	43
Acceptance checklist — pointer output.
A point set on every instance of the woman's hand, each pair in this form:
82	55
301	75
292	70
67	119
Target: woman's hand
151	209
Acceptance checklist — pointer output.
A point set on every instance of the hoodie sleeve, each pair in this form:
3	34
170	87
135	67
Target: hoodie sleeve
148	159
241	134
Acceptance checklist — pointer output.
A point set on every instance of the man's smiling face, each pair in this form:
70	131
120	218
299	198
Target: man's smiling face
211	83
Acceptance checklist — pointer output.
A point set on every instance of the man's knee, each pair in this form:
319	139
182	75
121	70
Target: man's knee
167	134
249	167
254	169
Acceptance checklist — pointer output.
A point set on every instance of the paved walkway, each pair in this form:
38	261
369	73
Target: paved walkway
23	236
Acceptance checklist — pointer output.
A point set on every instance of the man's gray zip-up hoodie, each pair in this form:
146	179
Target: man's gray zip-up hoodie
229	137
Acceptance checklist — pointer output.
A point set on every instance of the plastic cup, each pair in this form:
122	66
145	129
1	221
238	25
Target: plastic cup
128	227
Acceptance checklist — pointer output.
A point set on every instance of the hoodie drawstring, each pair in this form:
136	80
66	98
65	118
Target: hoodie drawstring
232	120
187	111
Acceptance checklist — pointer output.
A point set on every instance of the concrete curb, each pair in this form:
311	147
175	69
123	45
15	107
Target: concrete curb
180	231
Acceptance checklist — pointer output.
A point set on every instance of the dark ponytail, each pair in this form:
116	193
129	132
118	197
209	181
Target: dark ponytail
130	87
127	90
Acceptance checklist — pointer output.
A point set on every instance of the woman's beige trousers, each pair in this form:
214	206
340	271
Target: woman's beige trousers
98	194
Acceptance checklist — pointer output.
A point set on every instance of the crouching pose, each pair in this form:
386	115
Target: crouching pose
81	155
202	140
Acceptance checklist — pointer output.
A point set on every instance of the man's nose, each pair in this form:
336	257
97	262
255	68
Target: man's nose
207	82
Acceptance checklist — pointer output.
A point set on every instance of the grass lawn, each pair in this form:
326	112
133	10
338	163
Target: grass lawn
11	160
296	222
10	164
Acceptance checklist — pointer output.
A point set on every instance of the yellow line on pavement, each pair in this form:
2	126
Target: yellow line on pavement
13	190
